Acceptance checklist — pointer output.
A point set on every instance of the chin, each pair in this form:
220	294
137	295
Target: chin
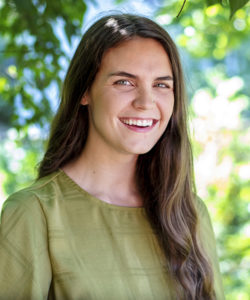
138	148
142	150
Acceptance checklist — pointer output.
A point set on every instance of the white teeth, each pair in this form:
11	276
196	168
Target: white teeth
141	123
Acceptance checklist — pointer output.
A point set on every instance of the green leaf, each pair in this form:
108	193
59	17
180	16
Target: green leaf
212	2
235	5
70	31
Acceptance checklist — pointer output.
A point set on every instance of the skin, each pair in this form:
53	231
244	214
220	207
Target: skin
134	82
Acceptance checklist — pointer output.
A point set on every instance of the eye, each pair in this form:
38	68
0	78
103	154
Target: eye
163	85
123	82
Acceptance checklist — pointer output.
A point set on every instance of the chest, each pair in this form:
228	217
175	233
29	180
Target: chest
100	257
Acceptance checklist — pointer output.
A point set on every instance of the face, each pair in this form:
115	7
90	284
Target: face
131	99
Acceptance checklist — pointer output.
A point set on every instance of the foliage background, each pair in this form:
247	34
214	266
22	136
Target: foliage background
37	39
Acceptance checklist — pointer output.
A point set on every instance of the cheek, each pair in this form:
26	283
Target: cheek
171	106
113	103
103	110
167	107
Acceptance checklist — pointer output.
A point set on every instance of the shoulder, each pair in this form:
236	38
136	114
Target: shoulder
205	232
204	220
200	206
31	199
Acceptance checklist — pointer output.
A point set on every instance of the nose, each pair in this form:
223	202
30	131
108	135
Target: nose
144	99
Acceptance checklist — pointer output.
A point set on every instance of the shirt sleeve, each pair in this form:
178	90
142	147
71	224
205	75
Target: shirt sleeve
207	238
25	271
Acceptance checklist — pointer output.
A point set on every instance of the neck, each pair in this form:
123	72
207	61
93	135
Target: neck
108	177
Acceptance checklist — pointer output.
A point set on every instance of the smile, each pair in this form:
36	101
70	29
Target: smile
140	123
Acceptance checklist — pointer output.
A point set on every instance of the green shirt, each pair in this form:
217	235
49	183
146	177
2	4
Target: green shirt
59	242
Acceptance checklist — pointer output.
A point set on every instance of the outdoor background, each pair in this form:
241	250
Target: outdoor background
37	40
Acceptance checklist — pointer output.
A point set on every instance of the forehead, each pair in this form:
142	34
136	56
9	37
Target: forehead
137	53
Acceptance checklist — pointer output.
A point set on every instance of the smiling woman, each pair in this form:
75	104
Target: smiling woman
126	92
113	213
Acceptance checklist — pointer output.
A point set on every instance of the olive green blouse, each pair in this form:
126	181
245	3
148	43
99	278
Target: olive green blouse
59	242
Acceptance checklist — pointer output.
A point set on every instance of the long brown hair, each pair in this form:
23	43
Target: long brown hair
164	174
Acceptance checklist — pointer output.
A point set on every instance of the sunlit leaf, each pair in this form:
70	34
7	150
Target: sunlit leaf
3	82
235	5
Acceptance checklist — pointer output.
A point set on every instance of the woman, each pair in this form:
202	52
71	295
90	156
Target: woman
113	214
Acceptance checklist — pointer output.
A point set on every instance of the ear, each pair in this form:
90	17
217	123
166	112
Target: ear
85	99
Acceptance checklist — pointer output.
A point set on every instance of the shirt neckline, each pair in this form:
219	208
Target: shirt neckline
97	200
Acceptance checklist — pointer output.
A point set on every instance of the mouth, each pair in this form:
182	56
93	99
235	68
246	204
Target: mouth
139	124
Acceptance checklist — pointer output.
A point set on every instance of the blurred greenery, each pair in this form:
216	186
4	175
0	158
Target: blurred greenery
37	39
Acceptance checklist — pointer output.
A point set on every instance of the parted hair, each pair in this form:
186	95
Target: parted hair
164	175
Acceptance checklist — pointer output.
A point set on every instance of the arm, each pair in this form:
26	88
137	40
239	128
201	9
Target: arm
25	271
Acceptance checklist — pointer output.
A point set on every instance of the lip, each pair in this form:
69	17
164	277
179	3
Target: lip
139	129
136	118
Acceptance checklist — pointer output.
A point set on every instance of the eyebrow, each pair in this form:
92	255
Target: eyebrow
126	74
